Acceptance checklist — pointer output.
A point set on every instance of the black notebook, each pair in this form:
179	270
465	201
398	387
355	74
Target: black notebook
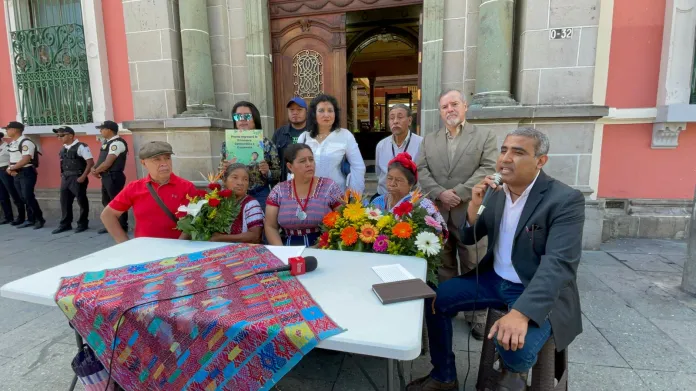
398	291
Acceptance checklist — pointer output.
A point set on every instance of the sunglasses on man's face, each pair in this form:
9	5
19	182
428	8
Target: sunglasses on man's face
242	117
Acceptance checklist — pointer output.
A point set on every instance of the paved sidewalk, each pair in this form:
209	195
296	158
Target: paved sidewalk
636	336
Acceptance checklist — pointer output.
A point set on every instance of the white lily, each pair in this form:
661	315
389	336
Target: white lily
193	209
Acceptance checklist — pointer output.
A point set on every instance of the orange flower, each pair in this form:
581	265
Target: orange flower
349	236
416	195
402	230
330	219
368	233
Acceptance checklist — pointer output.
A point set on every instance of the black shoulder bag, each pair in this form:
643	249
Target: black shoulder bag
161	204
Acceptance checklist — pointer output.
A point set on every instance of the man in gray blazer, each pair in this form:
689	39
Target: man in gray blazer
534	225
451	162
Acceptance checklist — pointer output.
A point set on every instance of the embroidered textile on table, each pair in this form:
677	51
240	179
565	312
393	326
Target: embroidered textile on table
243	337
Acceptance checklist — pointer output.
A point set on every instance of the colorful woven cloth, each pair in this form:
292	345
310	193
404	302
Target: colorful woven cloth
243	337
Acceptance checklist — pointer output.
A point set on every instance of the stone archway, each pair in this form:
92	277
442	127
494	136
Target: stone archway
259	34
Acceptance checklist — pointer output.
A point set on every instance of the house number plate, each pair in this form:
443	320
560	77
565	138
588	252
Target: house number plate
566	33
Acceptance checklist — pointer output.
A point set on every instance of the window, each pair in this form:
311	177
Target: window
48	51
308	74
692	100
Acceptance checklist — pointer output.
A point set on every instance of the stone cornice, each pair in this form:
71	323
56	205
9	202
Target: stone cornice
296	8
536	112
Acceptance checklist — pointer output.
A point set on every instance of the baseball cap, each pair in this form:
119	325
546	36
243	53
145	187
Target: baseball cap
111	125
299	101
64	129
14	125
155	148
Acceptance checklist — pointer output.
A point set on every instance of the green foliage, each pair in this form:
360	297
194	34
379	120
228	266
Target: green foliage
210	219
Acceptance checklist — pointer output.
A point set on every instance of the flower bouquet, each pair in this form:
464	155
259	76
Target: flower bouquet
210	211
409	230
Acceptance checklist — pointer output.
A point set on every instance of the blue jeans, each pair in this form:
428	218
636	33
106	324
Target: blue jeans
458	294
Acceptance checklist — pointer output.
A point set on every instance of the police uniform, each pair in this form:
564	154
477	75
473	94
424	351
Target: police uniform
73	162
113	179
25	181
7	187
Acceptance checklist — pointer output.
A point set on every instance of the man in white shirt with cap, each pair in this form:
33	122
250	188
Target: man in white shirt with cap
24	158
76	161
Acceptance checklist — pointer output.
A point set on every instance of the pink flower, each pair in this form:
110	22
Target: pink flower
381	243
433	223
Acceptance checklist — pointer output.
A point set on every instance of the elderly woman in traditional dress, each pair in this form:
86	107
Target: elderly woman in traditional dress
402	176
247	227
299	205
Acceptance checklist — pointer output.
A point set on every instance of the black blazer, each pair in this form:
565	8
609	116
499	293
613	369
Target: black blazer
546	252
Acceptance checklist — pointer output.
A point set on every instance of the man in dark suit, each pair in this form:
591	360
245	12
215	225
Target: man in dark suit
534	228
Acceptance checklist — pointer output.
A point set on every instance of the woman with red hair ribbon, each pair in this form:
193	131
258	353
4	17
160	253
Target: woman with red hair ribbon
402	179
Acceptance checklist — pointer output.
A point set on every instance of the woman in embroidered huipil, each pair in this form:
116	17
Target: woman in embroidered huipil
247	227
265	173
402	176
298	205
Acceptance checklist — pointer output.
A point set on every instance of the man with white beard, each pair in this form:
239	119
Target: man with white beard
451	162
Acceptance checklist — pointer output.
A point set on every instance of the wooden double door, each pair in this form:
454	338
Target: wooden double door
309	57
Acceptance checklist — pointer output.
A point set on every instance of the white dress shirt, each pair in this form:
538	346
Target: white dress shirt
117	148
27	150
4	154
502	252
83	151
387	150
329	154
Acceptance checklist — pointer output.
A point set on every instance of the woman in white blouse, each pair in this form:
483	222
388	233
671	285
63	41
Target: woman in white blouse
331	144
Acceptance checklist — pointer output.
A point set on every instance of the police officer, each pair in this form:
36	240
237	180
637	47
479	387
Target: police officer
76	162
110	166
7	187
24	158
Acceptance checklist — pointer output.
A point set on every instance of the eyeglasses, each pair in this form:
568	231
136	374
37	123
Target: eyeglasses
242	117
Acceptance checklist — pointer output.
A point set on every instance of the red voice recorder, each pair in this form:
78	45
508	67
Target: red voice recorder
297	266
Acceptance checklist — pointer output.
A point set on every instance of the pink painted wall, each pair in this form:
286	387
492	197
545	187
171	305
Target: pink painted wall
631	169
49	170
634	57
8	109
117	52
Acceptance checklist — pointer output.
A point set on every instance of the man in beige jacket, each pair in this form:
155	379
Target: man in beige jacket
451	162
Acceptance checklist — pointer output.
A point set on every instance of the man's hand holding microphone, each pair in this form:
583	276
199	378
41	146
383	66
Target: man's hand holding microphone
480	194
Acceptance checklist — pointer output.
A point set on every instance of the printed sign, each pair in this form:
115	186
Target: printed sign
245	145
566	33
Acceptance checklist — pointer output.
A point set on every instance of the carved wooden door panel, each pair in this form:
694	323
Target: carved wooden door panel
309	58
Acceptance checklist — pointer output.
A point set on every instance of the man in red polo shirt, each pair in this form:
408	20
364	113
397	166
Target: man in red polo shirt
151	220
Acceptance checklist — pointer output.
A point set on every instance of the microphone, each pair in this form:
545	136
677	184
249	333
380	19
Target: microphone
498	180
296	266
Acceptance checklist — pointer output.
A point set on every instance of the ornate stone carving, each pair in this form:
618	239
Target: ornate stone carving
305	25
307	7
308	74
666	135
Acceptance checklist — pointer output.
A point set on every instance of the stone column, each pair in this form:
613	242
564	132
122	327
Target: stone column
258	52
689	274
97	62
676	67
354	102
431	68
494	55
198	67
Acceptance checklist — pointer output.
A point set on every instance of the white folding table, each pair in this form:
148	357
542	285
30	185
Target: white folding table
341	285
